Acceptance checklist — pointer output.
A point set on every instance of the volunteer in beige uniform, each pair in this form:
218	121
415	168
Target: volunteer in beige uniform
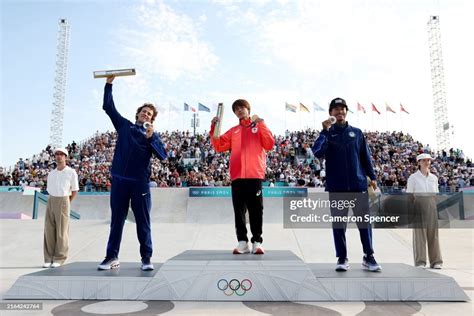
62	188
425	182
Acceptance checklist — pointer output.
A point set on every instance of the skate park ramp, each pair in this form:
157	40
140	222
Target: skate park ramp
174	232
172	205
15	202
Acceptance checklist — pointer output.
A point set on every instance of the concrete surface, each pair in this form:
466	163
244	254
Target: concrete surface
21	253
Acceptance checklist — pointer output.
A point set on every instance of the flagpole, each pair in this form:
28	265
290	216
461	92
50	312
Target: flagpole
401	122
299	114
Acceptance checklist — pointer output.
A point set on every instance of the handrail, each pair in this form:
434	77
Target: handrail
450	201
43	198
453	198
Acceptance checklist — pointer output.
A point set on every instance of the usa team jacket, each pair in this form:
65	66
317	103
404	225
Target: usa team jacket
247	145
133	150
348	158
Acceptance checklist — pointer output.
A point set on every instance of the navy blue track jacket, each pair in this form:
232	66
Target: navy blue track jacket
133	150
348	158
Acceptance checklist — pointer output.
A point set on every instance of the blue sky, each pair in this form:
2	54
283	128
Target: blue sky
269	52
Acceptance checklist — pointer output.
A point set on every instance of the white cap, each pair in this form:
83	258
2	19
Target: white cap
61	150
423	156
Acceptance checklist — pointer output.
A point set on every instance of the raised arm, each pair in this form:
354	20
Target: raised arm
109	106
157	146
224	142
320	145
266	136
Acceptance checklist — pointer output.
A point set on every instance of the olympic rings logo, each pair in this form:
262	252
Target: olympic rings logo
234	286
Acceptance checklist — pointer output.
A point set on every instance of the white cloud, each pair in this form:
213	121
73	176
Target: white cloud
366	51
202	18
167	44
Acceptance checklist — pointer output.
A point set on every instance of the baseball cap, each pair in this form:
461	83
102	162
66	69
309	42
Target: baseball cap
423	156
62	150
337	102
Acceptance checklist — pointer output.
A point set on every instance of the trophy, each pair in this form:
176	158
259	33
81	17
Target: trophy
220	114
371	191
116	73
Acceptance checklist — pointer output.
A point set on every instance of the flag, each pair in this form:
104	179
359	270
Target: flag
388	108
186	106
374	109
360	107
317	107
161	108
290	107
402	109
204	108
173	107
349	110
303	108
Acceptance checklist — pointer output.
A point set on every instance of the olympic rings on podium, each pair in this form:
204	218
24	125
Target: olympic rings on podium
234	286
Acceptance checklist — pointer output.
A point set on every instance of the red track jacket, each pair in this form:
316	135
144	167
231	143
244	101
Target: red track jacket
247	147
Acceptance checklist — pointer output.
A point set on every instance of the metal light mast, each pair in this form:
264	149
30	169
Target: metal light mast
59	94
437	83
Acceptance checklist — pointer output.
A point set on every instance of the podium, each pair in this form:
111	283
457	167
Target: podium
214	275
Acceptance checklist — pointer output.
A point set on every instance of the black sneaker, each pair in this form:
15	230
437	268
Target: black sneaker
342	264
147	265
370	264
109	263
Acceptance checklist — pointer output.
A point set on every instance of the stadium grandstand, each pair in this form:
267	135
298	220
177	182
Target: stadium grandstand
193	162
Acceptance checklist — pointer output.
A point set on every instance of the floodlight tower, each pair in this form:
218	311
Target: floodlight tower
437	82
60	79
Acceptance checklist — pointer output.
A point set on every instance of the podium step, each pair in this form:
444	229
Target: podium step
212	275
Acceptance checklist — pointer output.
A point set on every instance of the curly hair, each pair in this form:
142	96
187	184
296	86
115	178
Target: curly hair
150	106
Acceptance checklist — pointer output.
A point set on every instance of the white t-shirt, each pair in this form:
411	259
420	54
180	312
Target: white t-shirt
62	183
419	183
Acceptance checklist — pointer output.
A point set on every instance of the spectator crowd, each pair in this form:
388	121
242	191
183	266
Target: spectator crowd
193	162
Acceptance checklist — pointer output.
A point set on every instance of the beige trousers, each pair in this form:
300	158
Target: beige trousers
56	229
427	233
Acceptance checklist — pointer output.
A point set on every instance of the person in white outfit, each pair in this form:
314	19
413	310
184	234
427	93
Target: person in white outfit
424	186
62	188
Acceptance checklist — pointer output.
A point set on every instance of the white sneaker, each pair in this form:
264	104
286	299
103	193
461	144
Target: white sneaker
421	266
257	248
47	265
242	247
55	264
437	266
342	264
109	263
147	265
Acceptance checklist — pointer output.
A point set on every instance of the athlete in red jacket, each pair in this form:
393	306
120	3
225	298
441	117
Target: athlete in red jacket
248	143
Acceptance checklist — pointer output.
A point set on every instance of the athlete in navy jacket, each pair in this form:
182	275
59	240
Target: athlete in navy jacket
130	177
348	163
